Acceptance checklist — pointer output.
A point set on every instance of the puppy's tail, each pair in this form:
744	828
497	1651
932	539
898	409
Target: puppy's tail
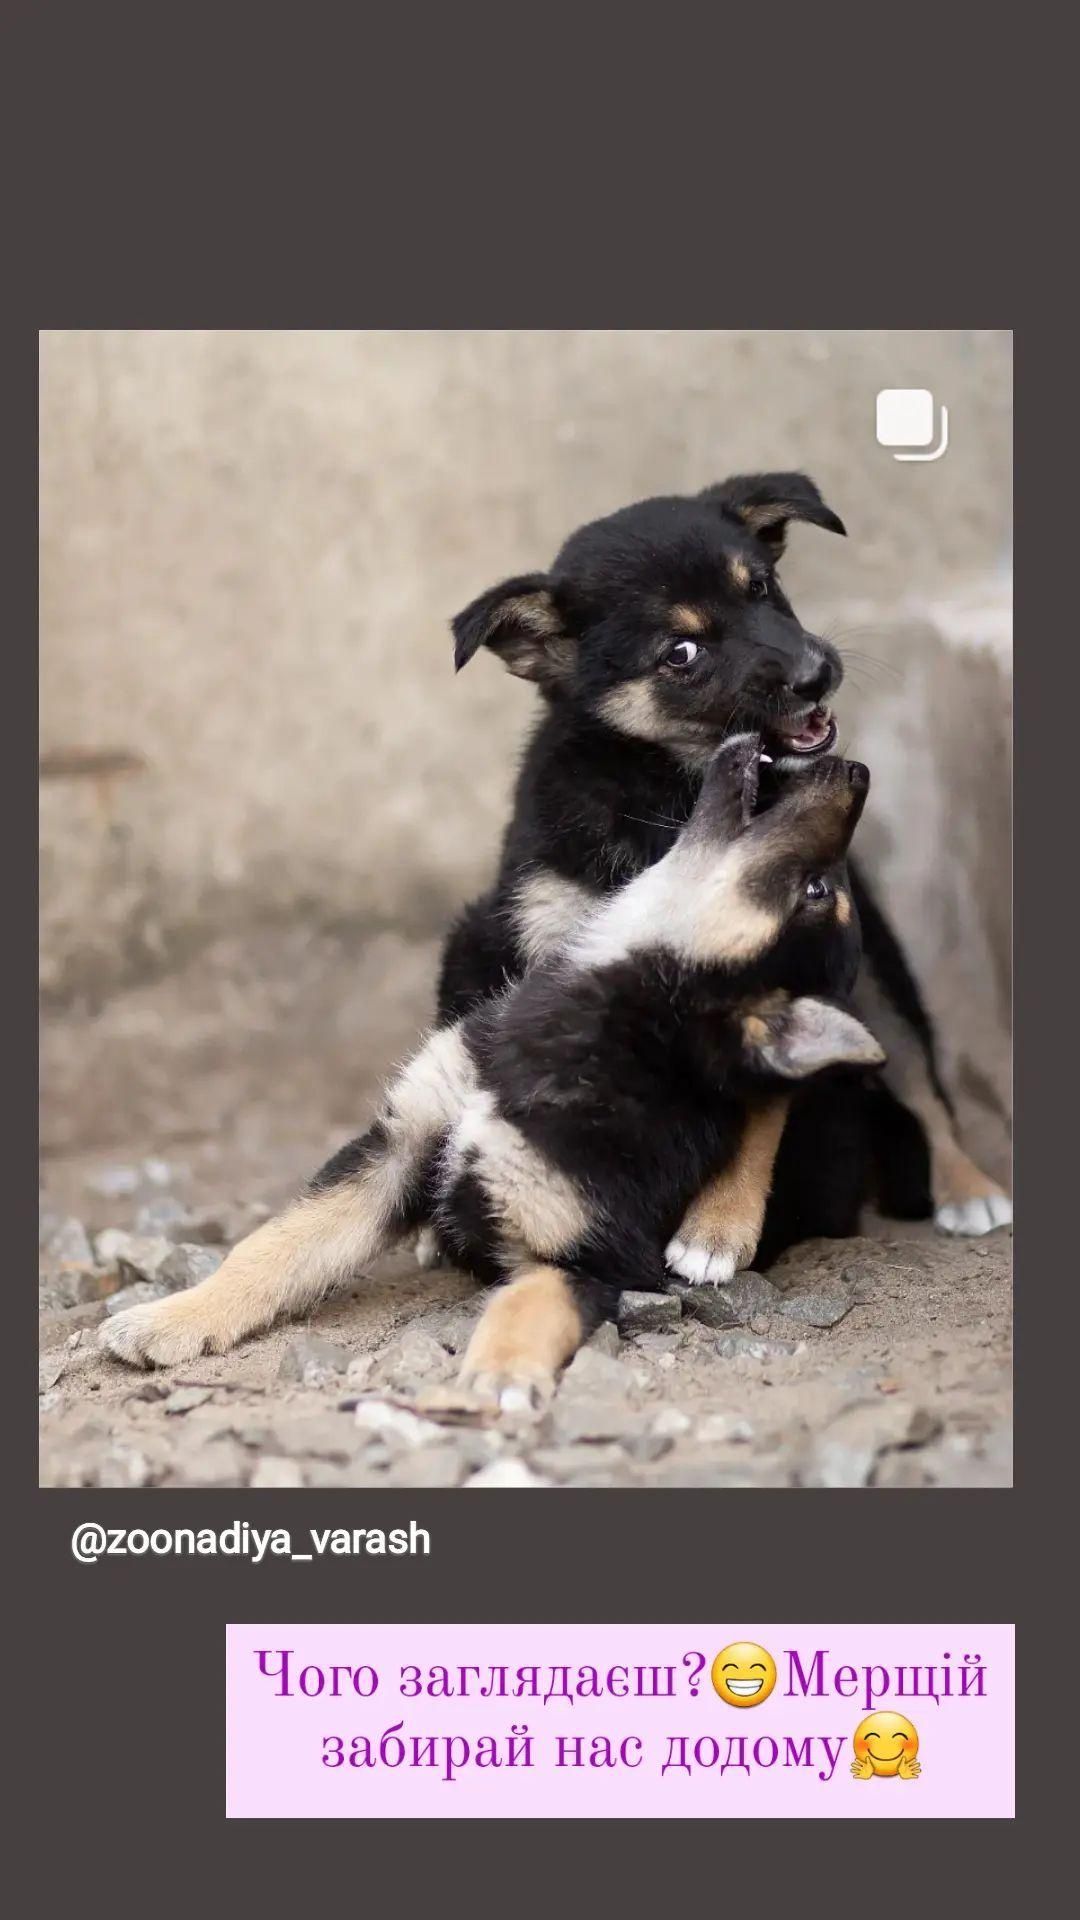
368	1194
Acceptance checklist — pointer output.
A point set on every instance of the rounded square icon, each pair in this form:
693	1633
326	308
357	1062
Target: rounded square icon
905	417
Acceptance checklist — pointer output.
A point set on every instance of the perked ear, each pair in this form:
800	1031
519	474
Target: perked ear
519	621
807	1035
765	502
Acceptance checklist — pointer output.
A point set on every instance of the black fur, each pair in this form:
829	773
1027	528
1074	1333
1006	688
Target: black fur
597	805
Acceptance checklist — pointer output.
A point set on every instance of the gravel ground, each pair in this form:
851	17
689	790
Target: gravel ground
178	1113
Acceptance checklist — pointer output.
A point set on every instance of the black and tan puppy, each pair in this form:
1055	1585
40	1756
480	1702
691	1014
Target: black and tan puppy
557	1134
659	630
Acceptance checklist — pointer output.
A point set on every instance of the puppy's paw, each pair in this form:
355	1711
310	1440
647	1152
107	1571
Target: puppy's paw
978	1214
521	1390
700	1264
156	1335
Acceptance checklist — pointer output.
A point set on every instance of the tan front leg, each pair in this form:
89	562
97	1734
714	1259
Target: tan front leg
527	1332
966	1200
722	1227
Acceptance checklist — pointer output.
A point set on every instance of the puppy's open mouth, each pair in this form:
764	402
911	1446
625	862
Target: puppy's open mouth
809	733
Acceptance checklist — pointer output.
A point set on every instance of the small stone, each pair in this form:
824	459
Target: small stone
721	1429
749	1295
671	1423
648	1312
815	1309
846	1453
605	1340
138	1256
313	1361
273	1470
69	1243
49	1220
358	1371
507	1473
57	1326
214	1463
187	1264
753	1346
139	1294
709	1305
76	1285
389	1422
645	1446
50	1371
184	1399
161	1217
443	1466
592	1371
414	1360
115	1182
586	1417
125	1467
568	1463
661	1347
158	1172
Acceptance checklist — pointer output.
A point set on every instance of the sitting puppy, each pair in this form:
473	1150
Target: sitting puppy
557	1134
659	630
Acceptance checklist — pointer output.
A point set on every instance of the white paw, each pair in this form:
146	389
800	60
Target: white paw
698	1265
979	1215
152	1336
427	1249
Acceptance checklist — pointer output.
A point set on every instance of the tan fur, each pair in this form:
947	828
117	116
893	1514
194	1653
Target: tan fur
729	1213
283	1267
632	709
692	902
688	620
532	1204
843	907
740	572
318	1243
954	1176
527	1332
547	910
534	610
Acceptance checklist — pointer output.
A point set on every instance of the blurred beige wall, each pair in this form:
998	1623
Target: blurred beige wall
251	544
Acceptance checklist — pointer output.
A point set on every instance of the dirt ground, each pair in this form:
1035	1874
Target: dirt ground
186	1107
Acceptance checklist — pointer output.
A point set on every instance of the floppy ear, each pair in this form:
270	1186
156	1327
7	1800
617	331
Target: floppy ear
765	502
806	1035
519	621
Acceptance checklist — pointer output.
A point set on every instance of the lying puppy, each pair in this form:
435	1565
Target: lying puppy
557	1134
659	630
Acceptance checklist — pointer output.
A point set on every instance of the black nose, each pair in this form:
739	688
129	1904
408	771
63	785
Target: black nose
815	678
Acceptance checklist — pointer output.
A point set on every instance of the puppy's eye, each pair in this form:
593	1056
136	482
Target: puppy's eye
683	654
758	589
817	888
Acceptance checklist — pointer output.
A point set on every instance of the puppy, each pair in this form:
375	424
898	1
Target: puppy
558	1132
659	630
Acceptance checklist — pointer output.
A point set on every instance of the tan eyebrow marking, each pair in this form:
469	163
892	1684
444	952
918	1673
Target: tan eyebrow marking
687	620
739	571
843	907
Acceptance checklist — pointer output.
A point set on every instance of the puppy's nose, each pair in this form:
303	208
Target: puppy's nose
817	672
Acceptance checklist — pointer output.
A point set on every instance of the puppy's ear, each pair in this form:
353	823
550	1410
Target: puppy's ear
520	622
806	1035
765	502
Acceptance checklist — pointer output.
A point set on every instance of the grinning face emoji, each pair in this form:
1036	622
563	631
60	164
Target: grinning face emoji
744	1674
886	1744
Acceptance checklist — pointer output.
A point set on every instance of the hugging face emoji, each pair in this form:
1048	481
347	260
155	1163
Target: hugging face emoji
885	1744
744	1674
